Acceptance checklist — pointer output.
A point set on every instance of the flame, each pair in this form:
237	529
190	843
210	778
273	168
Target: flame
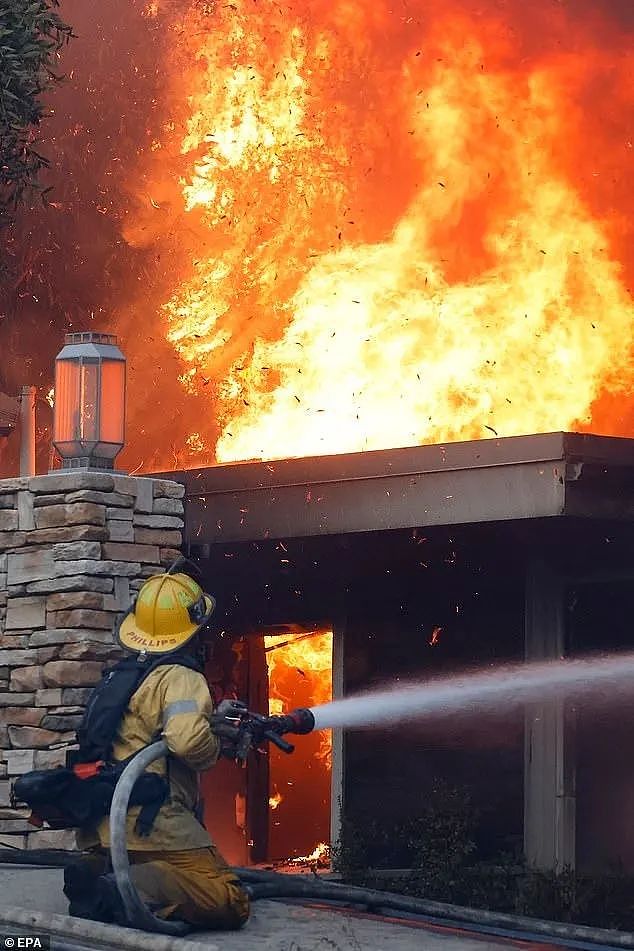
50	397
195	443
275	800
402	228
299	666
319	856
310	655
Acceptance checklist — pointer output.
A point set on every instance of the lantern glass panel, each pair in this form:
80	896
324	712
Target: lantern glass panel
66	431
112	402
89	402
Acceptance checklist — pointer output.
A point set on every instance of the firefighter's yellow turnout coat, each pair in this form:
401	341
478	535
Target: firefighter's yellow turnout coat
176	867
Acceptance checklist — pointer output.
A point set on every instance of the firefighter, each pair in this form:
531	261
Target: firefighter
176	868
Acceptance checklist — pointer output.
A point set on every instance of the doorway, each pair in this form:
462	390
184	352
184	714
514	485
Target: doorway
299	666
277	810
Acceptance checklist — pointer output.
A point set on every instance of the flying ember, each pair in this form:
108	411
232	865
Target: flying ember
275	800
396	223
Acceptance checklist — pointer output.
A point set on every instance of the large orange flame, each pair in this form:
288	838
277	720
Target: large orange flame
309	657
398	221
300	674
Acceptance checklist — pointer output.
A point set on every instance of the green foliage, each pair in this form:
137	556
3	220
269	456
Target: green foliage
31	37
438	850
435	844
605	901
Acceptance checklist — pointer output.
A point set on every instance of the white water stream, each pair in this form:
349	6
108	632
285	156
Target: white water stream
494	689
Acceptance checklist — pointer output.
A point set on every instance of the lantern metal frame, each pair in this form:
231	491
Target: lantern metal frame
89	349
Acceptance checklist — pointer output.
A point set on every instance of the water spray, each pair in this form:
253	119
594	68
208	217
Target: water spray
476	692
484	691
480	692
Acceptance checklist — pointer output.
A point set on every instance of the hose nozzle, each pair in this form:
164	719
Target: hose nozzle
297	721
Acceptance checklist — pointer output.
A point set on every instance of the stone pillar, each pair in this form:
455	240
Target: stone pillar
549	757
74	549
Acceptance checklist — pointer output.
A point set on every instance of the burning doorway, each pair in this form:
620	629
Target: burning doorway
299	668
278	809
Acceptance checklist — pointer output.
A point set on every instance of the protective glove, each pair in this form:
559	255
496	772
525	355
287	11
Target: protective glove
233	709
224	727
225	723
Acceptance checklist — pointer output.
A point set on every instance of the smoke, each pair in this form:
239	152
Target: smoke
70	266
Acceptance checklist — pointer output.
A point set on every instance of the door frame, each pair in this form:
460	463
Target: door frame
338	740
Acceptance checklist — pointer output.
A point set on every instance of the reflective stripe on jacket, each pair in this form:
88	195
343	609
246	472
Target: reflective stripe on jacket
173	701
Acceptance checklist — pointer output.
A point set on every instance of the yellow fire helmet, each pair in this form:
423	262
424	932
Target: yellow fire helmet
168	612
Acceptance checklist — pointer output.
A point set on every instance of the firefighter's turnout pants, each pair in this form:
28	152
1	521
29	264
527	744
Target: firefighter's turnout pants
194	886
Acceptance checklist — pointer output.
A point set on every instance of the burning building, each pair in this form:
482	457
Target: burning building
374	567
330	230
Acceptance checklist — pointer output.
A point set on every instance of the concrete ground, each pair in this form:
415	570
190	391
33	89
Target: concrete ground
274	926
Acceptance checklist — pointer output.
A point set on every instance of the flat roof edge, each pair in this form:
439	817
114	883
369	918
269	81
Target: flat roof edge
407	461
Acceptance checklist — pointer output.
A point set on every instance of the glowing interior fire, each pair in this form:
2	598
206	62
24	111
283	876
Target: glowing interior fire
394	227
275	800
276	706
310	656
300	674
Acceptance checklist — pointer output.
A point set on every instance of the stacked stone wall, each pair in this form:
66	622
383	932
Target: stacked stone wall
75	547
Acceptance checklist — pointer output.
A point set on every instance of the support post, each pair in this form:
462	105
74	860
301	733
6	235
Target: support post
27	431
549	754
258	776
336	788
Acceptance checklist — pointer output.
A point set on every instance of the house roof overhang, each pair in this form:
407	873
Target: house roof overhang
540	476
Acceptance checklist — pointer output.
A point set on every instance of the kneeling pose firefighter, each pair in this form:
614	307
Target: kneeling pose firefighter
174	864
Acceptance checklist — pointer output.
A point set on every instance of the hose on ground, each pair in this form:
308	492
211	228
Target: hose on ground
137	912
271	885
267	884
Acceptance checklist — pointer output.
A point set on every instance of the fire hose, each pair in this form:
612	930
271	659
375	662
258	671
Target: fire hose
253	731
137	912
272	885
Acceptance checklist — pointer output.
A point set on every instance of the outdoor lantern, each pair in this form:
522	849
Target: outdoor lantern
89	419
